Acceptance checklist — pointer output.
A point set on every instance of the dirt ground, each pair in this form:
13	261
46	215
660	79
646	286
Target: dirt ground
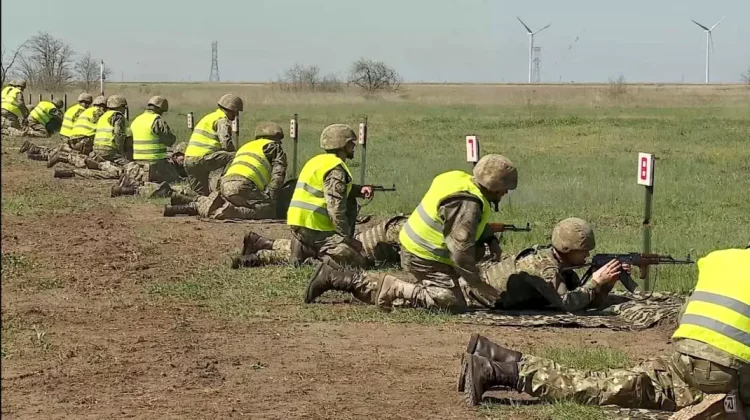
96	346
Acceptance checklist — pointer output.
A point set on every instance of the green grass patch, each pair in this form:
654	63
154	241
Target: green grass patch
278	293
586	358
42	198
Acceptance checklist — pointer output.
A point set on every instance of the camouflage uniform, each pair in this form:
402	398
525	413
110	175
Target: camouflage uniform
162	170
205	172
342	209
120	138
85	145
379	245
243	194
11	120
34	128
437	284
535	278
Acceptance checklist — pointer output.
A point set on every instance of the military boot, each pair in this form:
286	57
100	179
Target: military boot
188	209
118	191
35	156
25	147
325	278
253	243
64	173
163	191
250	260
392	288
176	199
91	163
482	346
483	374
57	157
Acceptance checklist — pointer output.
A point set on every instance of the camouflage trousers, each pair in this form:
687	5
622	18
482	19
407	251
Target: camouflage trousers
10	120
246	200
110	155
46	152
205	172
36	129
160	171
312	244
667	383
379	245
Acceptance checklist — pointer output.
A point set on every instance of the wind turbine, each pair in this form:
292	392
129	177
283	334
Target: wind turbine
531	42
709	40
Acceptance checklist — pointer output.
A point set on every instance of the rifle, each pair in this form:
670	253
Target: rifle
634	259
382	188
502	227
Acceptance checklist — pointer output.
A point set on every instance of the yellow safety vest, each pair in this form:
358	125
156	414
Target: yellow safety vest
251	163
10	103
104	139
41	112
422	235
85	124
69	119
204	139
718	312
146	144
6	90
308	206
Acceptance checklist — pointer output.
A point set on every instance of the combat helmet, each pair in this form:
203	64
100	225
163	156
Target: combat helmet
573	234
336	136
100	100
159	102
59	104
269	130
85	97
496	173
116	101
231	102
21	84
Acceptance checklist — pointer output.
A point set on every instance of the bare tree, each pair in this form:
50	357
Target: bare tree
9	60
301	78
49	62
746	76
87	71
373	76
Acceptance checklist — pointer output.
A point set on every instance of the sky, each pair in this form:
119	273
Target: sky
476	41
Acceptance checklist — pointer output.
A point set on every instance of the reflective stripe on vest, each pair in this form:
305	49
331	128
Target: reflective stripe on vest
10	102
104	138
308	206
204	139
251	163
69	119
422	235
6	90
146	144
718	312
85	124
41	112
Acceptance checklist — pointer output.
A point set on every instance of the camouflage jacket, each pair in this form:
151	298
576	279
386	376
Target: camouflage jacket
535	278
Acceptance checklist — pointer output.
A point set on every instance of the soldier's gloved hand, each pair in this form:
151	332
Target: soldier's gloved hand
495	251
609	273
484	294
355	244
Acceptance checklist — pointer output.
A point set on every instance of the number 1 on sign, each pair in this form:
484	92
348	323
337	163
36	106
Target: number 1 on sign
472	149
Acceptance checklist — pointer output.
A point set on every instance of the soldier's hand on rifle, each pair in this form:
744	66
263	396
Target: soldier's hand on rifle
495	251
609	273
355	244
366	192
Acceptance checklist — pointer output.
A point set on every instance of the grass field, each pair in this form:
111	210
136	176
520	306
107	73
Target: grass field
141	286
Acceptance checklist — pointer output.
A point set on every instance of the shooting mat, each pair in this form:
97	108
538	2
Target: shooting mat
624	311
